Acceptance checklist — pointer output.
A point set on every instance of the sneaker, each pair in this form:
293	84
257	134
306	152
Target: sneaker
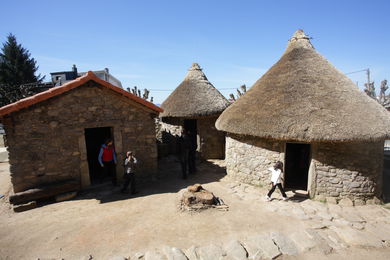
268	198
285	198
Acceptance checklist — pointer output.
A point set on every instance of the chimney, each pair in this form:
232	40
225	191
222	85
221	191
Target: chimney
74	69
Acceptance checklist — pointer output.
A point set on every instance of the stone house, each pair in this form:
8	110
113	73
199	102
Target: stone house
55	135
195	106
307	114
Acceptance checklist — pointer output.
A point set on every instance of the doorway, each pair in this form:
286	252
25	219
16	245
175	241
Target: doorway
94	138
190	125
297	162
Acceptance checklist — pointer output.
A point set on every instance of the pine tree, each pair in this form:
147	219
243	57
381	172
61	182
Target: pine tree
16	68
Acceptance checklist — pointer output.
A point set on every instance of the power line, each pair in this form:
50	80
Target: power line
352	72
173	89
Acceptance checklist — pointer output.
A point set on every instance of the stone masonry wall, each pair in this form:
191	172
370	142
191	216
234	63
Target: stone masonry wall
337	171
248	158
348	170
212	141
46	141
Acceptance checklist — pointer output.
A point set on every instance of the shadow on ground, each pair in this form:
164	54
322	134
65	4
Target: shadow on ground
168	181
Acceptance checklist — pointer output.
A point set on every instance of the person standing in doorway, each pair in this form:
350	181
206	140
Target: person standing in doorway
276	177
184	152
107	160
192	153
130	167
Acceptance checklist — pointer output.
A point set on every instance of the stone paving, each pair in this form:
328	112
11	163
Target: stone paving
330	228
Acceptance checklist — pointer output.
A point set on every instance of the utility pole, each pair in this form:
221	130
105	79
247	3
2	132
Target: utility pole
368	76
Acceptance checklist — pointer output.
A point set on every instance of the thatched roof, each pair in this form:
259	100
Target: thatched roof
194	97
305	98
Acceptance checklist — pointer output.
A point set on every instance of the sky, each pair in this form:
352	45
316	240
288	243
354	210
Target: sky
152	44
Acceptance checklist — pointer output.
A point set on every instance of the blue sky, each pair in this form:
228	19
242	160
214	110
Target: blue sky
151	44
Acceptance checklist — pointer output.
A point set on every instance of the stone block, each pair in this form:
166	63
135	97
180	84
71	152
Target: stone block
173	253
373	201
359	202
285	245
331	200
66	196
26	206
346	202
235	251
210	252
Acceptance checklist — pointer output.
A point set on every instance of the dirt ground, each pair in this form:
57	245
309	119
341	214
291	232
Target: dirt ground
105	223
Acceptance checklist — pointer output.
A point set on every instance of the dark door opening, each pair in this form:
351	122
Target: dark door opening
190	125
297	162
94	138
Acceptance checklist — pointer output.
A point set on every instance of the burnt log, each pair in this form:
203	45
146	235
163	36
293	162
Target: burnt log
46	191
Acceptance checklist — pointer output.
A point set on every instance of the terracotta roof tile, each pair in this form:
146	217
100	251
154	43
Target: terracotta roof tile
26	102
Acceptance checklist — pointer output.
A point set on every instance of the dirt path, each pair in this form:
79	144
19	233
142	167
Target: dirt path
106	223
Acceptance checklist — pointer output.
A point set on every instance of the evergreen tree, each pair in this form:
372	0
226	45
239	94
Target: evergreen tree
16	68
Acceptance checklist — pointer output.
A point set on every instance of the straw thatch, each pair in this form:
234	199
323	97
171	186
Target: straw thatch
305	98
194	97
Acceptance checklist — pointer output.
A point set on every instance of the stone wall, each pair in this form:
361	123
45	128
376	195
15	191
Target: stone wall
248	158
211	141
350	171
347	170
46	141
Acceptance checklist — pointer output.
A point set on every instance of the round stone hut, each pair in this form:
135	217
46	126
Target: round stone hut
307	114
195	106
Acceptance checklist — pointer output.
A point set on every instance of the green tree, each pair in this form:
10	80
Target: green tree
16	68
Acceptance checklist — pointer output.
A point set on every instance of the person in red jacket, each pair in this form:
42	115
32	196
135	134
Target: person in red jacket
107	159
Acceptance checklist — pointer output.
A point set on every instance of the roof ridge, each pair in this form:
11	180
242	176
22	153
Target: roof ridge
55	91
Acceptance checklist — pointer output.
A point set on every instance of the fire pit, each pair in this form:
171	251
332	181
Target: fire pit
196	198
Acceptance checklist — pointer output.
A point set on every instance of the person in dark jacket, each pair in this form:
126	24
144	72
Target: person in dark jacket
184	146
192	152
107	160
130	168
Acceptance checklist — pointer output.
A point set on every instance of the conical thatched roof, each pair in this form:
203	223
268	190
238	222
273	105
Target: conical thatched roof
305	98
194	97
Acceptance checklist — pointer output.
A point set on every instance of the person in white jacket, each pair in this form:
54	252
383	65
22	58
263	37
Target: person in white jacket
276	176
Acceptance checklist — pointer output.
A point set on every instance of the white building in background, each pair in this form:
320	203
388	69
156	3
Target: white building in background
61	77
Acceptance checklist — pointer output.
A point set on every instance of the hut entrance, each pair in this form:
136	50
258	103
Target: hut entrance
297	162
190	125
94	138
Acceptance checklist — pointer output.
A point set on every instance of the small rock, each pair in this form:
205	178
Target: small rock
358	226
346	202
235	251
195	188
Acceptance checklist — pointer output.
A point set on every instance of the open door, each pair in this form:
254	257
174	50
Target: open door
297	162
94	138
190	125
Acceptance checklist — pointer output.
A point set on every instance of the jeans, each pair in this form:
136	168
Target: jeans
279	185
109	169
